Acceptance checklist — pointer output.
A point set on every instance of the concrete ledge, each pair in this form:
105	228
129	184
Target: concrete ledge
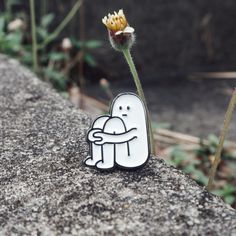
45	189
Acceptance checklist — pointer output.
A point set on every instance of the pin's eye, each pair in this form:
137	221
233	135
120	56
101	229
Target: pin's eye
120	107
128	108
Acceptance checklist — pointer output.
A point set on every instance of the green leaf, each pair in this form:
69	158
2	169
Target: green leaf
229	199
2	24
13	41
200	177
90	60
43	33
227	190
92	44
27	58
227	193
57	56
53	74
57	78
89	44
189	168
213	140
76	43
178	156
46	20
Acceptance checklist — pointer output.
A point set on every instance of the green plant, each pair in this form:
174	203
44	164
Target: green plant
11	42
208	149
227	192
122	38
178	157
8	5
39	50
224	131
196	164
34	36
188	163
49	38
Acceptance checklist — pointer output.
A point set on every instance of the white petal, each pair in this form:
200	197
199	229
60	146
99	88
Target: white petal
119	32
121	12
104	20
129	30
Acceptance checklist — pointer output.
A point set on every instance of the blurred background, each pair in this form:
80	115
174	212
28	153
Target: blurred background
184	53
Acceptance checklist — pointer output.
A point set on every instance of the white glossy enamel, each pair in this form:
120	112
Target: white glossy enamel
120	139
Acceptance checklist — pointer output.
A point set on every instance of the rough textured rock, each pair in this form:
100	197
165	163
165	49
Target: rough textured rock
46	190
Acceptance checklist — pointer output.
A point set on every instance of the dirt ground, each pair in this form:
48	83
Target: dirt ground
195	107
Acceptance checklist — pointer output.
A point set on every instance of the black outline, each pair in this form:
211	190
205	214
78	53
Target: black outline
109	115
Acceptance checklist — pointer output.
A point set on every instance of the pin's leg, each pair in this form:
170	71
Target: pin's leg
108	156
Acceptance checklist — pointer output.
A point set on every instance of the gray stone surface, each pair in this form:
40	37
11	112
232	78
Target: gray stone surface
46	190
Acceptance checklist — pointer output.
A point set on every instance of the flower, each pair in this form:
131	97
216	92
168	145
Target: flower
117	23
104	83
66	44
121	35
15	25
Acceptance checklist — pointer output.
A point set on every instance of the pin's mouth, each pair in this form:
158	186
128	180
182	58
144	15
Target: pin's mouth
124	114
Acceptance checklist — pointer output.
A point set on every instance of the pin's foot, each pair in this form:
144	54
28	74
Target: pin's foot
89	161
104	166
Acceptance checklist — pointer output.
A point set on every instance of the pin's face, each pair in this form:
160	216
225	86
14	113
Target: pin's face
120	139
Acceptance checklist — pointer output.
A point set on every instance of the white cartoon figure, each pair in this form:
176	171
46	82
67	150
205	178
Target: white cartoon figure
120	139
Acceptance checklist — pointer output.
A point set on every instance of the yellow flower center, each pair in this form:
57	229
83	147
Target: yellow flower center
115	22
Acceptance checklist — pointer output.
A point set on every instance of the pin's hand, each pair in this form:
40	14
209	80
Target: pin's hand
91	135
101	138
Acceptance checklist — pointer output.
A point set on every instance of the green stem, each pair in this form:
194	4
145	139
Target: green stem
137	82
228	117
81	61
43	8
33	33
7	6
62	25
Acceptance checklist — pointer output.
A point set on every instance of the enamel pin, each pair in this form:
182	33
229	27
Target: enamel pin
120	139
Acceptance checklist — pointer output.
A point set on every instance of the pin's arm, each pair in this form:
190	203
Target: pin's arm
115	138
